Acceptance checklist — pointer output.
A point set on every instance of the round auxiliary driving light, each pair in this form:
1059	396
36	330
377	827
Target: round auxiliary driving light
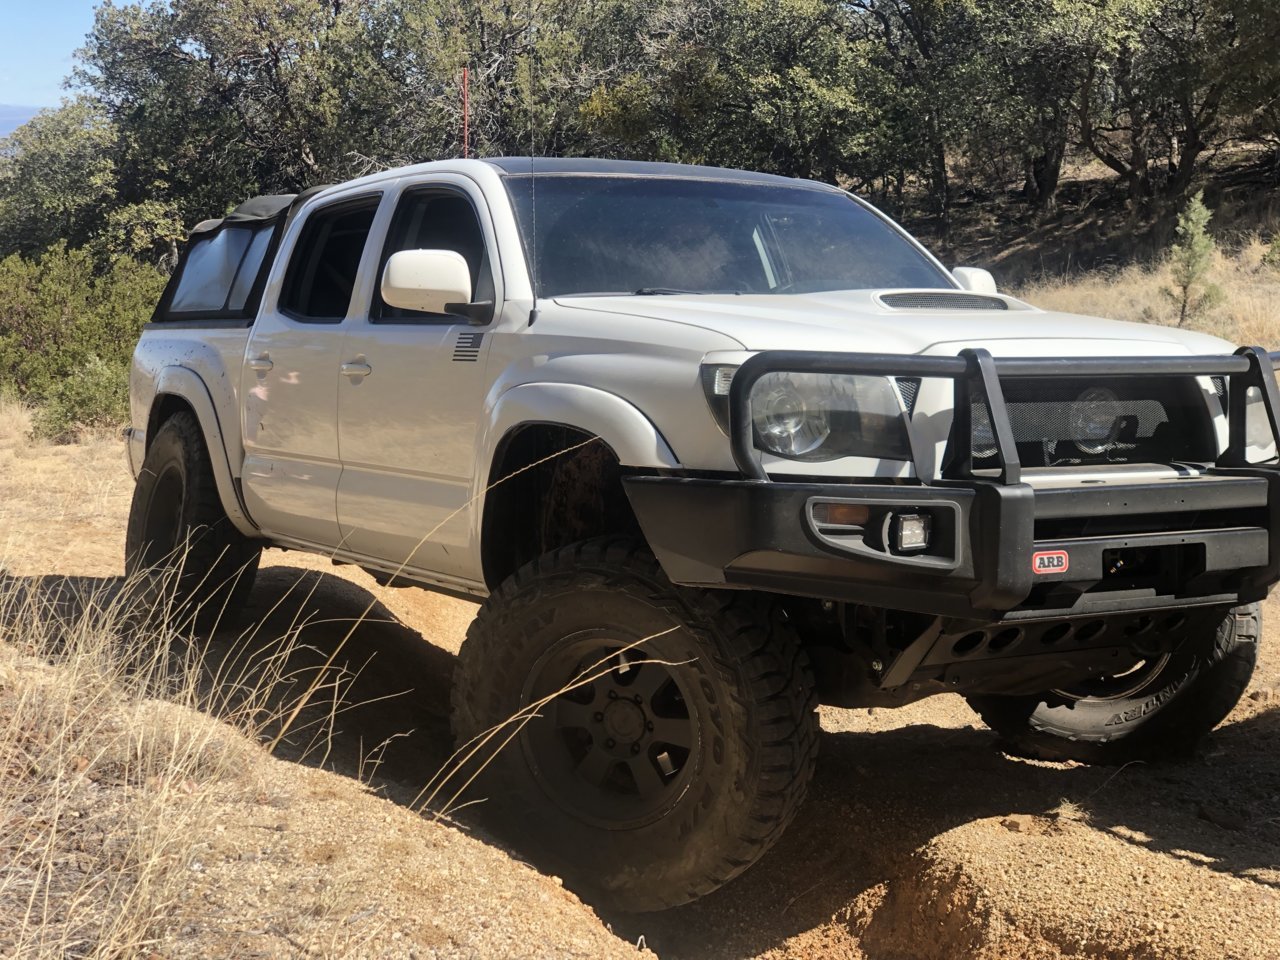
1095	420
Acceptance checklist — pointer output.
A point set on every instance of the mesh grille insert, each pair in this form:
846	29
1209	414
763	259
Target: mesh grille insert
909	387
942	300
1065	422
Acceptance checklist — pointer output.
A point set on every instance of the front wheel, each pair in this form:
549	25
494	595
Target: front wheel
1159	709
671	733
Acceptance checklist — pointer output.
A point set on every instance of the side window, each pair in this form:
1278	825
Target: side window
322	271
435	219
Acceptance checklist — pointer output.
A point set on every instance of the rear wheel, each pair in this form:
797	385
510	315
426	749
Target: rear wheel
1160	708
675	730
181	551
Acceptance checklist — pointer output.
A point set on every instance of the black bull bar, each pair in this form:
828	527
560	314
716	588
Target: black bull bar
977	377
1215	539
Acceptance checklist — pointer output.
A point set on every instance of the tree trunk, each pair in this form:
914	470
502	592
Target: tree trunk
940	186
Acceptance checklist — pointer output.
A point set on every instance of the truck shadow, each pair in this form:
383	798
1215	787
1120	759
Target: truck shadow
878	797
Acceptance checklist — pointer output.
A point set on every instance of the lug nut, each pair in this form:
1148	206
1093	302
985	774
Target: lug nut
649	725
599	717
638	699
635	748
613	694
610	744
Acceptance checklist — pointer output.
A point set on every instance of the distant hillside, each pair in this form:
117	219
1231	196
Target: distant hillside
13	116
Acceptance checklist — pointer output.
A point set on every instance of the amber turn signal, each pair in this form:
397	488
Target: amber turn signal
841	514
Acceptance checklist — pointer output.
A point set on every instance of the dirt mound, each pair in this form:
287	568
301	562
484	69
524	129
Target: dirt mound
921	839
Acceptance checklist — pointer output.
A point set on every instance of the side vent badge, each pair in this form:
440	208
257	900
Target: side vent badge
467	349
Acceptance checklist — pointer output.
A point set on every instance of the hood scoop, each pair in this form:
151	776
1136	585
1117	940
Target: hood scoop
941	300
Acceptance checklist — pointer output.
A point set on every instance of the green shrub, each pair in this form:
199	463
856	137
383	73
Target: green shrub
67	332
95	396
1190	260
1272	257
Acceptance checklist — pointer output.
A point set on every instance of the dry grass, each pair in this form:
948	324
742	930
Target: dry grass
113	770
135	784
1247	314
63	501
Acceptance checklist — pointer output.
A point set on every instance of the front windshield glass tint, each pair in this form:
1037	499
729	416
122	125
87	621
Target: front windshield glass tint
626	235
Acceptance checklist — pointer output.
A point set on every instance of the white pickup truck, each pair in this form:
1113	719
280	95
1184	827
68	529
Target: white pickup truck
711	447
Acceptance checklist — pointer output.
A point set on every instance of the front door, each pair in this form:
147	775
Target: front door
407	421
291	376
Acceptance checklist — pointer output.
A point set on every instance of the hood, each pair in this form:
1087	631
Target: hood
859	321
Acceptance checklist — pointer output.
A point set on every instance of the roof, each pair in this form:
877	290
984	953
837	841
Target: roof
551	166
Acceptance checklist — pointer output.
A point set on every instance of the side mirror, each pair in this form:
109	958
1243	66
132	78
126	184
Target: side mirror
974	280
433	281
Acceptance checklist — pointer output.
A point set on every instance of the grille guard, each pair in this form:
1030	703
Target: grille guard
977	374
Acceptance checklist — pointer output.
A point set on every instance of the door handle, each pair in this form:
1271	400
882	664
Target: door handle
356	369
261	364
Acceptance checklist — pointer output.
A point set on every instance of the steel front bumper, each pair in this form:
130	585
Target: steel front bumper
999	548
984	541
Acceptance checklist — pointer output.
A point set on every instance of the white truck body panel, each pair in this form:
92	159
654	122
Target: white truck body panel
389	467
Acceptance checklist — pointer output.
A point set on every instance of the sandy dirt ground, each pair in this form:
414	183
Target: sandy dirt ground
920	839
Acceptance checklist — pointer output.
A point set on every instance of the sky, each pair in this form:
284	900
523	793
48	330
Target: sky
37	40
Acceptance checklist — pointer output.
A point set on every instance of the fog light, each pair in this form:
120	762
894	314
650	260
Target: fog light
912	531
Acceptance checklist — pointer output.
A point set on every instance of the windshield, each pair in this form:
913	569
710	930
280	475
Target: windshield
639	235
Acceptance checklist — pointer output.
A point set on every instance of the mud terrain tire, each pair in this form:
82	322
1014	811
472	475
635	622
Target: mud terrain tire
1186	697
181	551
598	785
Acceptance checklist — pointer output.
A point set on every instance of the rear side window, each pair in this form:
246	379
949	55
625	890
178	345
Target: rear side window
322	272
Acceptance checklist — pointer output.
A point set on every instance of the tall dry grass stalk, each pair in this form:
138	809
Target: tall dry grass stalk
111	759
1247	314
112	754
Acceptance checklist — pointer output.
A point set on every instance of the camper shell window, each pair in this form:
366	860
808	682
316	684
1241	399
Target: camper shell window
224	266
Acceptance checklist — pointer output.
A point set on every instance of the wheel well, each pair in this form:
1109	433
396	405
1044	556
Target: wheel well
551	485
162	408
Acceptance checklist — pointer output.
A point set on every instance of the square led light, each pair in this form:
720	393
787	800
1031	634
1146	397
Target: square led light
913	531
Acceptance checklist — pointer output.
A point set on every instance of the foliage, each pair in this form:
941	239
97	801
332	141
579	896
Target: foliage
1190	260
57	177
1271	257
95	395
188	106
67	331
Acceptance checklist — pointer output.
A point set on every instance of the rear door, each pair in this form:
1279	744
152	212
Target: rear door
407	427
289	385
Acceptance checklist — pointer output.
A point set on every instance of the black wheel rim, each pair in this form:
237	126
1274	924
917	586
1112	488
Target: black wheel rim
617	750
1119	686
163	522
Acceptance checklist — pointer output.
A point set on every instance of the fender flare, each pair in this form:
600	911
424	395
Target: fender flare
186	385
629	433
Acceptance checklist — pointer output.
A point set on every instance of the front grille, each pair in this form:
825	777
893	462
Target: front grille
909	387
1062	422
942	300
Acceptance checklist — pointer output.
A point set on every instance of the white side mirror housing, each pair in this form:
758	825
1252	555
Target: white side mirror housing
974	280
426	280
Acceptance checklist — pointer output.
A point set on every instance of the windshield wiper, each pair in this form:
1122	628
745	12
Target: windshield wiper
673	291
648	292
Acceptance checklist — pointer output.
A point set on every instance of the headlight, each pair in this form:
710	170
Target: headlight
789	417
816	416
